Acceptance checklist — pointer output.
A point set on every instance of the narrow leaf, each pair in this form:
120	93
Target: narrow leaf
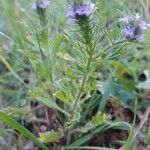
26	133
53	105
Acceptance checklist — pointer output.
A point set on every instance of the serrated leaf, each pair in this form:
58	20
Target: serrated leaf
64	97
91	85
70	74
49	137
99	119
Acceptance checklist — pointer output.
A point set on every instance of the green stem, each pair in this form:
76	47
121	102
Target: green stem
82	84
85	28
45	62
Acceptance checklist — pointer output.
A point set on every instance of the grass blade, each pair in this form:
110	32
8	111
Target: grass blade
113	125
88	148
8	66
15	125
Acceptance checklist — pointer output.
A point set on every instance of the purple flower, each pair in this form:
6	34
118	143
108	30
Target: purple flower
40	5
78	11
134	28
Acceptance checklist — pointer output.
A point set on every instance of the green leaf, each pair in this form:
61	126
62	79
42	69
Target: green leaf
52	104
30	55
15	125
88	148
70	74
114	125
86	138
48	137
64	97
94	101
111	88
99	119
66	57
60	39
120	92
108	87
61	96
36	93
8	66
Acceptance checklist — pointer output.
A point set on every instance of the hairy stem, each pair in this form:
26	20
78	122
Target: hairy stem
84	79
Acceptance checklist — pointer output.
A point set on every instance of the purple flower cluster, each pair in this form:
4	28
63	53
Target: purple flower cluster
134	28
40	5
77	11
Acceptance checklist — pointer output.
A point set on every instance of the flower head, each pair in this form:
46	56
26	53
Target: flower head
79	11
40	5
134	28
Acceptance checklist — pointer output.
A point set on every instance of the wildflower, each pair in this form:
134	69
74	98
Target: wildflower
80	11
40	8
134	28
40	5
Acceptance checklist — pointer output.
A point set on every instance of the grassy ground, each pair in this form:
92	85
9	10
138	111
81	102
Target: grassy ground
41	73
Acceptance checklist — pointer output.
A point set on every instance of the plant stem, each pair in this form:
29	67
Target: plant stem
46	62
141	124
82	84
85	32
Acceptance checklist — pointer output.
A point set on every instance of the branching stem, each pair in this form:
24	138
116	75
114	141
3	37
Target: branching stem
84	79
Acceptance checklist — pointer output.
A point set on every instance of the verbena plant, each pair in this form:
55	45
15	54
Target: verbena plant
75	68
